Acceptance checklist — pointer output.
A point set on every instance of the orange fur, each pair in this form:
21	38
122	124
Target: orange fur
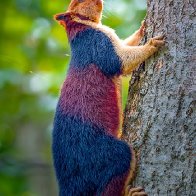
89	8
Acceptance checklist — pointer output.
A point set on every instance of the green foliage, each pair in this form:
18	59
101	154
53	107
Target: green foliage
34	54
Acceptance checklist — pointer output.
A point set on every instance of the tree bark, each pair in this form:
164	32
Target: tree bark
160	113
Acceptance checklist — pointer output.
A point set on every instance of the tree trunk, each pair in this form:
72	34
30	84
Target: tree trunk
160	113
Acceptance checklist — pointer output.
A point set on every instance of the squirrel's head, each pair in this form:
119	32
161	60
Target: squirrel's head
87	8
84	9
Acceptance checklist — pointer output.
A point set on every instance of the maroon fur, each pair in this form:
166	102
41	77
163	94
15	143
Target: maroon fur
91	96
116	186
72	27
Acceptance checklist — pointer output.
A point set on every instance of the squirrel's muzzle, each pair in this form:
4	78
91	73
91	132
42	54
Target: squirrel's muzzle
59	17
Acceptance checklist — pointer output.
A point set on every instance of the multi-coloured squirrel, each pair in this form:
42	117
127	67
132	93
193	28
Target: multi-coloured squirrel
89	157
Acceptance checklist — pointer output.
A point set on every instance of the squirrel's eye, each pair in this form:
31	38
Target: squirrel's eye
80	1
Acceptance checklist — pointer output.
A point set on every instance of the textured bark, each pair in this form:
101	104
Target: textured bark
160	113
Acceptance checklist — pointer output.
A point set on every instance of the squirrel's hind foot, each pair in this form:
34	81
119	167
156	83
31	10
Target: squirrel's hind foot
139	191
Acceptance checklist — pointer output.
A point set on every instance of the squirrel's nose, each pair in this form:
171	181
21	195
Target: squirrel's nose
59	17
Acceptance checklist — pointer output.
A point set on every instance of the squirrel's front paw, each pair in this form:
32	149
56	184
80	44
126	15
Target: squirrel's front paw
135	191
157	41
142	29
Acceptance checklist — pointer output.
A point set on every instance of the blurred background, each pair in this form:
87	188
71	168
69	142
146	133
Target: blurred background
34	57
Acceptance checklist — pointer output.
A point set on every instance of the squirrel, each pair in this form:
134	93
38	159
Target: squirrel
89	156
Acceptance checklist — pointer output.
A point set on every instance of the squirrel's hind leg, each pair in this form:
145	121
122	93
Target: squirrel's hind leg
115	186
